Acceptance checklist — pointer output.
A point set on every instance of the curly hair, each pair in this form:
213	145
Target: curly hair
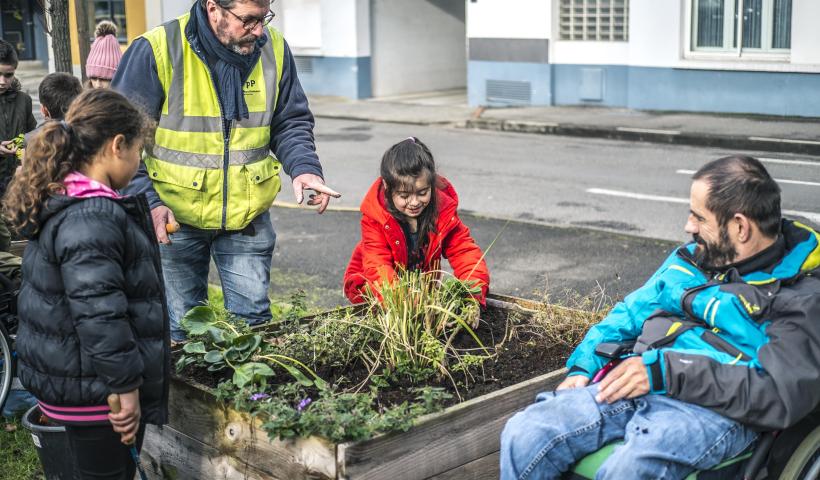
60	147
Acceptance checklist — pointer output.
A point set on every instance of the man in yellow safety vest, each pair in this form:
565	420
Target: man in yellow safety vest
222	86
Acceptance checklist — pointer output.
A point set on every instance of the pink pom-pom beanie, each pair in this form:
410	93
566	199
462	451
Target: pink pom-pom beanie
104	57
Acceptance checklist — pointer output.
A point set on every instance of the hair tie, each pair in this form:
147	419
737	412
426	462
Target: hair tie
412	139
66	126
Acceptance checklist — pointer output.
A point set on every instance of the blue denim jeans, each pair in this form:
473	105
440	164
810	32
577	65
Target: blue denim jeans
663	437
242	260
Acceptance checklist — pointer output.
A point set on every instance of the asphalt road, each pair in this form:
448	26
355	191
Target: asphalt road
526	260
594	217
625	187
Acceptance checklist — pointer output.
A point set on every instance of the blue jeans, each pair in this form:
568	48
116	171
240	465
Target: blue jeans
242	259
663	437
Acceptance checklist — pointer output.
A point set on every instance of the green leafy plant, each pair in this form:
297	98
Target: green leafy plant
291	412
18	143
222	342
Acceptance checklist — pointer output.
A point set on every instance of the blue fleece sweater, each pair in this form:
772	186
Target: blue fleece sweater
291	130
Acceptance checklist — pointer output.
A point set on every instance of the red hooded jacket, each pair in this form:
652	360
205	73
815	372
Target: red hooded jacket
383	246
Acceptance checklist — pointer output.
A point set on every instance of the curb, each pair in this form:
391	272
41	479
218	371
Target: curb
422	123
731	142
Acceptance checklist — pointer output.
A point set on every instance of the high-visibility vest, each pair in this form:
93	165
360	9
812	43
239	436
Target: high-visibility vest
207	180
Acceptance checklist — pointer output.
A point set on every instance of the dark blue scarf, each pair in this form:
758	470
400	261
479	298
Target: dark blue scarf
231	69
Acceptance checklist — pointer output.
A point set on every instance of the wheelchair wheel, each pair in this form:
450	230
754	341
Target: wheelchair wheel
804	464
6	365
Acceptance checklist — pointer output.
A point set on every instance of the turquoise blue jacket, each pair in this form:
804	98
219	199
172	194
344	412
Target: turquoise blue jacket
743	341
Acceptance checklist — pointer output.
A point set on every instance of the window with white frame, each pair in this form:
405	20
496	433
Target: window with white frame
596	20
766	25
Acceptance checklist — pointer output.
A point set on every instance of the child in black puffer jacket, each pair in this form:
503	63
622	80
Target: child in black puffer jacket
93	319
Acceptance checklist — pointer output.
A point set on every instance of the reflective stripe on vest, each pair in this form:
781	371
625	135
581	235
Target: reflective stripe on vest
190	130
206	184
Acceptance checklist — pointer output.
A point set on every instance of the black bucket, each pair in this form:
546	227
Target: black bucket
52	446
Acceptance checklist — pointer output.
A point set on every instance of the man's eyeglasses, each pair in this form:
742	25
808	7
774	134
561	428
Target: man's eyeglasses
251	22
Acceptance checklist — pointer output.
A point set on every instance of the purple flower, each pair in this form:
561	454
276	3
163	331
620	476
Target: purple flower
303	404
259	396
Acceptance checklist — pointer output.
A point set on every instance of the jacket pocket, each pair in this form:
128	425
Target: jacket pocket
263	184
721	345
180	188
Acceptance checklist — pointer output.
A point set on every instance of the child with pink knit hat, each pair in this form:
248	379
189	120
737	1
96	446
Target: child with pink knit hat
104	56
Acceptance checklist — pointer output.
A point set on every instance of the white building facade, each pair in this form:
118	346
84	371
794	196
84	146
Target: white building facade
727	56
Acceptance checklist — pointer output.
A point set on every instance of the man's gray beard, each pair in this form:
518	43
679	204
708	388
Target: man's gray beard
237	48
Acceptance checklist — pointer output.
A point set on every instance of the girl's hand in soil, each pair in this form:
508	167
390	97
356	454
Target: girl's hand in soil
575	381
127	421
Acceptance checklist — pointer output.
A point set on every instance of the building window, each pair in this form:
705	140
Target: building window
766	25
114	10
595	20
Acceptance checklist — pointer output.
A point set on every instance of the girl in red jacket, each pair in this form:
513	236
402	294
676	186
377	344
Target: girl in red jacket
409	220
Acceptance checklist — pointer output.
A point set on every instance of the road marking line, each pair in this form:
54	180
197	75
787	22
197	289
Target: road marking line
784	140
813	216
637	196
778	180
648	130
790	162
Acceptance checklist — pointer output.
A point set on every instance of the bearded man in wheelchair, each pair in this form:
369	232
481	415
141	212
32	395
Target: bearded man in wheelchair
726	340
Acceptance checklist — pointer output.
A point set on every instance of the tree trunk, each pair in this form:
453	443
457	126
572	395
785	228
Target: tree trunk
60	39
81	10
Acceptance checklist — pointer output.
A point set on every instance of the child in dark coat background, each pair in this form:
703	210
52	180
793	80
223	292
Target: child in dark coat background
16	118
409	220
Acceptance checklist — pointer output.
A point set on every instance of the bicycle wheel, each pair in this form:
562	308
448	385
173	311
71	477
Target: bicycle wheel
6	365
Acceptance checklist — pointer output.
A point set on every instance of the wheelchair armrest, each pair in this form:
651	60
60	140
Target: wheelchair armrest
613	350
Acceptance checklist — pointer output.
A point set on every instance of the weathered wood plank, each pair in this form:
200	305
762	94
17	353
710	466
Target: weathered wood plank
506	302
195	411
485	468
443	441
168	454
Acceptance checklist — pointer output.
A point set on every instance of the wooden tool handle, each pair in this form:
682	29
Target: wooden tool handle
114	403
115	406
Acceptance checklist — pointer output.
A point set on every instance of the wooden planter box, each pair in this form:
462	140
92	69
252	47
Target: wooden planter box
207	441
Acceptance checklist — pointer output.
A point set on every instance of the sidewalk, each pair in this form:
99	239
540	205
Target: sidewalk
738	132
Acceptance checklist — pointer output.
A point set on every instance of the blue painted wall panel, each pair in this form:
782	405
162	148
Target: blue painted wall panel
771	93
537	74
339	76
647	88
567	83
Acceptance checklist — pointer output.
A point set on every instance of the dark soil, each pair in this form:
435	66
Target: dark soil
516	360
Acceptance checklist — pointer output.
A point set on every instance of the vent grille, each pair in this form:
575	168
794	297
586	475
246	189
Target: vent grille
509	92
304	64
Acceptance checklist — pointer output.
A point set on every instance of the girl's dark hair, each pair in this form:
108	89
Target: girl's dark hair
58	148
401	165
